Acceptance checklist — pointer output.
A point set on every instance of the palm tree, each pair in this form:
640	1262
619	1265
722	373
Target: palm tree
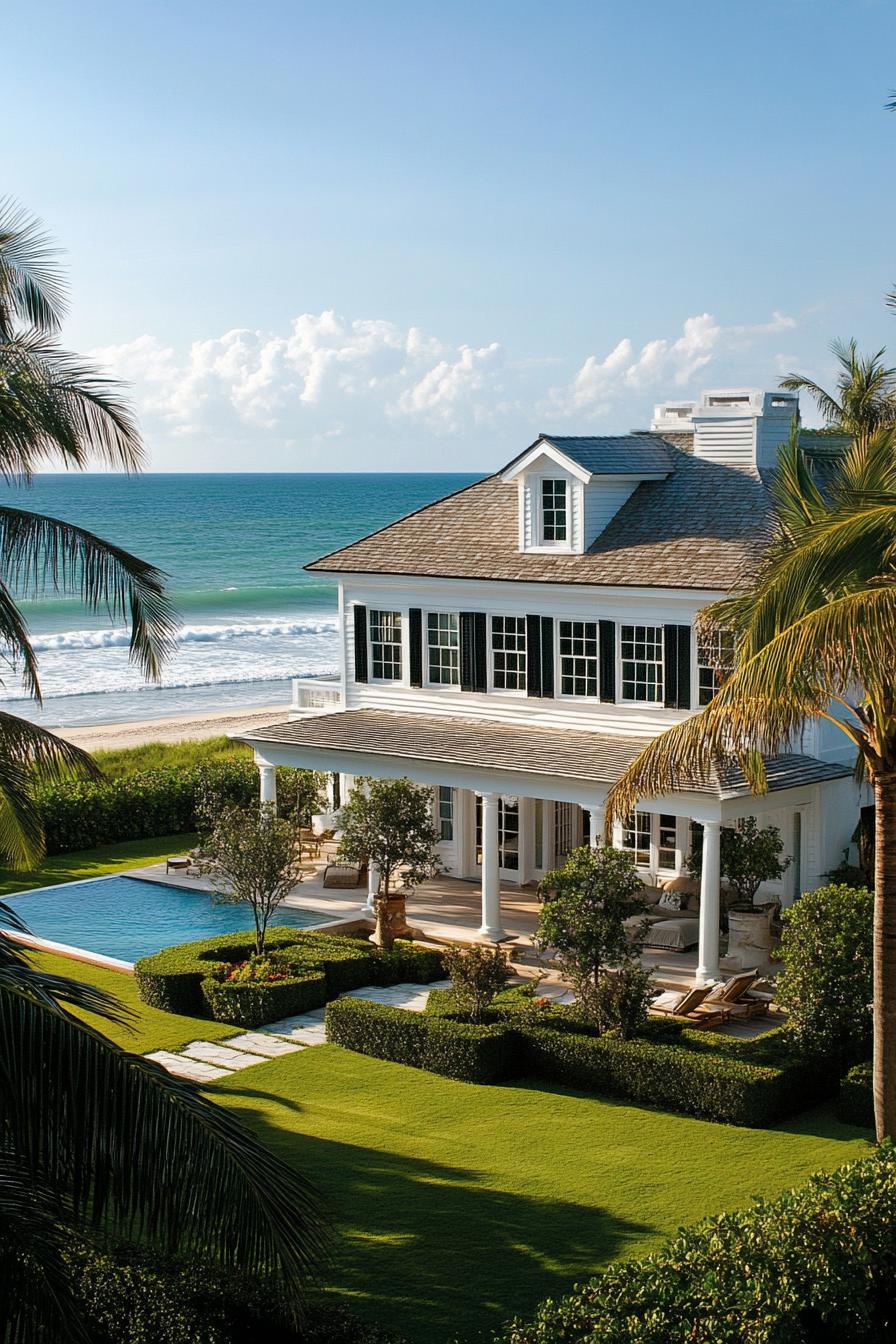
95	1141
865	398
55	408
815	638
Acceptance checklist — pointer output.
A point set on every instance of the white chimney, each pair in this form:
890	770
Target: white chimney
673	417
743	427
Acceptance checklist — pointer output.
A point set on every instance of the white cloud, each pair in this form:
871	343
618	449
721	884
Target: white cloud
333	391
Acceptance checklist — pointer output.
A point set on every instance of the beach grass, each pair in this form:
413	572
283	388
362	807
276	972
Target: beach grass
458	1206
122	762
94	862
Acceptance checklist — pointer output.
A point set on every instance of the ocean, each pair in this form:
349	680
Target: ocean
233	547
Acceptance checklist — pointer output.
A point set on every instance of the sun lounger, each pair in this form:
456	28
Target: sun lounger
736	998
689	1004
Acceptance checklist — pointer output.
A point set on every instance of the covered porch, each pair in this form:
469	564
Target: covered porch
511	803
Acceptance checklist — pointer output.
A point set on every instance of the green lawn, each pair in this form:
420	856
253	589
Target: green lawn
461	1205
94	862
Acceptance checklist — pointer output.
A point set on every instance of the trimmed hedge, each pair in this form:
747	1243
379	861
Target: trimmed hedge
178	979
82	814
135	1297
855	1101
460	1050
814	1266
748	1083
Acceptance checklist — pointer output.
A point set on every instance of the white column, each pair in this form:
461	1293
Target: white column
373	883
596	822
491	877
268	784
708	955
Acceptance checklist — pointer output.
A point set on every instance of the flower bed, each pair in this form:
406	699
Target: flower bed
751	1083
188	979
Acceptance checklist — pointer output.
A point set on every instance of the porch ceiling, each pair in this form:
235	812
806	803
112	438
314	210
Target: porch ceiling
491	745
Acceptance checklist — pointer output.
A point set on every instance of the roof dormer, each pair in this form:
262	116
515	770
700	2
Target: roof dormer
570	488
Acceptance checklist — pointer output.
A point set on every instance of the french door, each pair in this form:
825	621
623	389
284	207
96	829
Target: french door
508	835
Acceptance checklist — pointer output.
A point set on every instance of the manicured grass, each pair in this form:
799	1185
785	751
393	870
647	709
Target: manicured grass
154	755
459	1206
94	862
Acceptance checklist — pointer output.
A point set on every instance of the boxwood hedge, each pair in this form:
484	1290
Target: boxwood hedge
855	1101
750	1083
814	1266
178	979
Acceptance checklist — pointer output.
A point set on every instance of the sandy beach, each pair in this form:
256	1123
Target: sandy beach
182	728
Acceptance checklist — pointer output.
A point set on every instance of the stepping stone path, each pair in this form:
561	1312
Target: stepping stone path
207	1061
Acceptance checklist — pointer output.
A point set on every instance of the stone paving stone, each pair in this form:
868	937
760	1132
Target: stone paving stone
210	1052
306	1028
257	1043
181	1067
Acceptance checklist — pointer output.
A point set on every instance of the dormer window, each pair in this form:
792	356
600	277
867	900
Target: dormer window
554	512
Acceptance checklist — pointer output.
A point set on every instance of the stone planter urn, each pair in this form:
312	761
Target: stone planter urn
391	919
750	939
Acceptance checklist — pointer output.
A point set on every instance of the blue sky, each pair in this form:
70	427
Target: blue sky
412	235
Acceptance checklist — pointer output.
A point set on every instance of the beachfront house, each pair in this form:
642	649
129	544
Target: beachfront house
514	645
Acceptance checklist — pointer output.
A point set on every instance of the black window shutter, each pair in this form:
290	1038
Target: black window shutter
677	666
607	646
415	645
468	650
480	651
533	655
360	642
547	656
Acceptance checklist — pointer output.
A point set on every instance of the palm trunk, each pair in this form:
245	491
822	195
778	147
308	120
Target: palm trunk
885	957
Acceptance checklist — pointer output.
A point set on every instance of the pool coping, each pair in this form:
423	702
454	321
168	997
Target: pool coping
344	925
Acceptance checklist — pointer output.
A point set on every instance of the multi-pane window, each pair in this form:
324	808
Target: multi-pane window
636	836
385	645
445	811
554	526
667	841
578	657
715	662
508	834
443	648
642	662
509	653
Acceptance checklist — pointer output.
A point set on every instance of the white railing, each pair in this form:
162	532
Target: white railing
315	695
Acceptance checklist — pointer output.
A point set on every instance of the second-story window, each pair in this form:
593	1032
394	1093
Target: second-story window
385	645
509	653
554	521
443	648
578	658
715	662
642	663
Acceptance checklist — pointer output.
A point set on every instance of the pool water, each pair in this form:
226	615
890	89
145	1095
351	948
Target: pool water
128	918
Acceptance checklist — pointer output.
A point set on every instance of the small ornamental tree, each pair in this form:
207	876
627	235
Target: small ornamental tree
748	857
253	858
388	823
826	983
586	904
477	974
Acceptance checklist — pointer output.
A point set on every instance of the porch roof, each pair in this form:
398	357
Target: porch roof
586	757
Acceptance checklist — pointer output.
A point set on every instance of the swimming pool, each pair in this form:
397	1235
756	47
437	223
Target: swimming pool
128	918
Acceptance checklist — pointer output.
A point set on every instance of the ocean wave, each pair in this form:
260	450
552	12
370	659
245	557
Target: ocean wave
120	637
188	683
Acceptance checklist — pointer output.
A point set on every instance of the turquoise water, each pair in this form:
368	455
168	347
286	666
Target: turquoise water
234	547
127	918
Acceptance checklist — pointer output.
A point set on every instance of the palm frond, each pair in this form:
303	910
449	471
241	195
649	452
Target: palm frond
37	552
27	753
829	408
31	288
133	1150
54	406
15	639
19	975
797	498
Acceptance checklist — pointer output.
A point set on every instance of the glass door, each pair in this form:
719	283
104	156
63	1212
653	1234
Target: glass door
508	835
566	816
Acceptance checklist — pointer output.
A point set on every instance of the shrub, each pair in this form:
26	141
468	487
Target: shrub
461	1050
252	1003
748	857
826	983
133	1296
621	998
174	979
855	1101
816	1264
477	974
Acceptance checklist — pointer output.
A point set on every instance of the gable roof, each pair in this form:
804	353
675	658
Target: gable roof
704	526
612	455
